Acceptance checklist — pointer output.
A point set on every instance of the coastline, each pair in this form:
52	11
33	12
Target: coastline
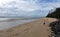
36	28
7	23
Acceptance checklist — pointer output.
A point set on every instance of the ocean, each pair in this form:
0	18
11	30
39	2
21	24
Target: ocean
6	23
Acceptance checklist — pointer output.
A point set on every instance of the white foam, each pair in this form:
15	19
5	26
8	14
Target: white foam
4	19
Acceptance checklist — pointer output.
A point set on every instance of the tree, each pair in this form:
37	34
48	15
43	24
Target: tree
55	14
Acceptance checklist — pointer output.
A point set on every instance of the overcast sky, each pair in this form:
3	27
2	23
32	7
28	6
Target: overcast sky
30	8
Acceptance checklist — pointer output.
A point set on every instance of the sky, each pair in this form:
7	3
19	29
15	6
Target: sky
27	8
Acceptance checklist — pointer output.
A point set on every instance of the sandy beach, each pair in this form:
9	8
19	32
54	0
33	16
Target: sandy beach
38	28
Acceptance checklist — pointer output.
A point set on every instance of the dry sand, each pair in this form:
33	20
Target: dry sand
39	28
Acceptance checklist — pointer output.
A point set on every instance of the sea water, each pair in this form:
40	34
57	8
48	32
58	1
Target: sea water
11	22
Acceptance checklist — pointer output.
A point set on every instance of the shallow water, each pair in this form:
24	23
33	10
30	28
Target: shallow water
11	22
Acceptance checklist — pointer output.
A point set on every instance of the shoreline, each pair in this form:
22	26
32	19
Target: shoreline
6	24
36	28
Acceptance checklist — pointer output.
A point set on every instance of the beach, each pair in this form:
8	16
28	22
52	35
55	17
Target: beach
38	28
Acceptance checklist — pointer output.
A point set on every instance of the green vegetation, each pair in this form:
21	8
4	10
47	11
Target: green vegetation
55	14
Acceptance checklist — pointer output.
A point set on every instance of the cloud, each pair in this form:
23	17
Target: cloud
23	5
36	8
